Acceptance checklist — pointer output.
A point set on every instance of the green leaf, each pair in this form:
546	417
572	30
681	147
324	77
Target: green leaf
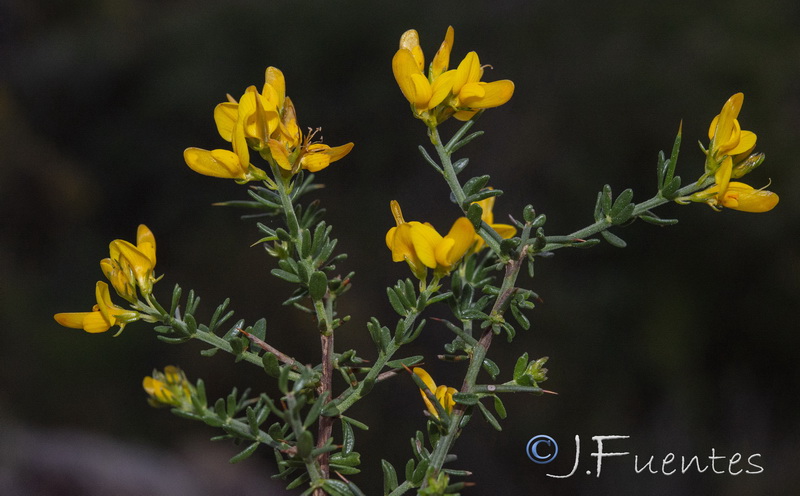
613	239
491	368
481	195
409	469
351	459
669	189
499	407
317	285
460	164
605	199
313	412
428	158
245	454
474	213
622	201
454	148
305	443
348	438
475	184
389	477
521	319
259	329
408	362
302	479
651	219
355	423
395	301
283	380
521	365
489	417
286	276
673	159
466	398
623	215
305	243
419	472
270	363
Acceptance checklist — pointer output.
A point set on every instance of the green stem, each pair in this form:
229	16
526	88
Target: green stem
324	312
282	184
505	388
479	351
352	395
485	231
639	209
402	489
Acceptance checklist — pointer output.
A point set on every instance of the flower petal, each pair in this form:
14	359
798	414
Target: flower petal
425	240
442	58
225	116
215	163
495	94
146	242
73	320
747	141
414	86
441	88
462	234
745	198
468	71
274	78
410	41
279	154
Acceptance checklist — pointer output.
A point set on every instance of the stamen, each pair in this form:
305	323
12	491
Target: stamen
396	212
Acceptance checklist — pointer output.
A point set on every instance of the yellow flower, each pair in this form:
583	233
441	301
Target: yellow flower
130	267
422	247
443	92
424	93
726	135
505	231
103	316
470	94
735	195
730	155
170	388
266	122
443	394
221	163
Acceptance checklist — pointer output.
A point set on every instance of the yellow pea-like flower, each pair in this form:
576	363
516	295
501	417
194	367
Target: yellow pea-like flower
443	394
265	122
725	132
442	93
169	388
422	247
130	267
104	314
735	195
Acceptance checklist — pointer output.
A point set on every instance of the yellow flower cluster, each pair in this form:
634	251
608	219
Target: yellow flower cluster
443	93
265	122
423	247
169	388
443	394
129	268
730	155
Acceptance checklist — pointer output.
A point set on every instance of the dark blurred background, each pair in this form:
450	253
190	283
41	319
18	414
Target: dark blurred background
686	340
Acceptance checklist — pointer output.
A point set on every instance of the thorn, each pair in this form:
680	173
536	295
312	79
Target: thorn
549	392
